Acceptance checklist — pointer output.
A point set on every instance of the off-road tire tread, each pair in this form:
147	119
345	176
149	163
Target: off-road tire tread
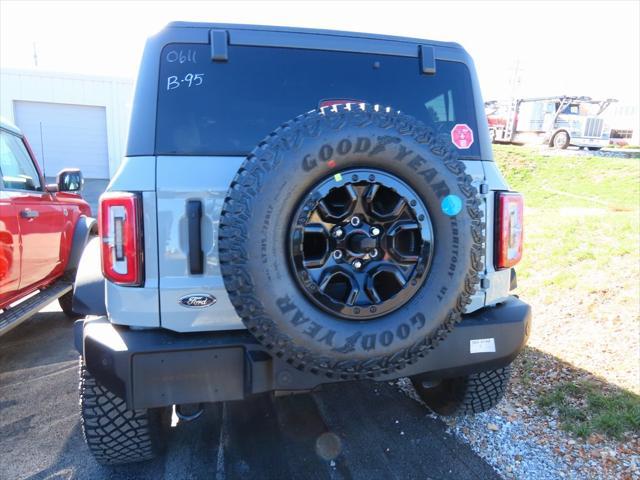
114	434
244	191
483	391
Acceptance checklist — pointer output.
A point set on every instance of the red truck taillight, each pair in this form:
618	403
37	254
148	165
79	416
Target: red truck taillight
121	237
509	229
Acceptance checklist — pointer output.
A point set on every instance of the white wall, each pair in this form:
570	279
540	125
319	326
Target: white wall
115	94
625	116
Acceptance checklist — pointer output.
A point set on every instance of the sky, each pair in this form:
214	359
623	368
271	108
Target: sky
533	48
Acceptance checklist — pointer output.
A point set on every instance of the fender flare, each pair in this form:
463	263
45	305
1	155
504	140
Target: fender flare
85	226
89	287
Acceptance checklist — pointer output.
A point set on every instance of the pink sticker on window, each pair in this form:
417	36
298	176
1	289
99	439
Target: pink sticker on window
462	136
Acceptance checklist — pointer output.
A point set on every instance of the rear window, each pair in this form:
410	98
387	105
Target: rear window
226	108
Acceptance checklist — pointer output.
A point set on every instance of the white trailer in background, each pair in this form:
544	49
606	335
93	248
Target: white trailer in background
556	121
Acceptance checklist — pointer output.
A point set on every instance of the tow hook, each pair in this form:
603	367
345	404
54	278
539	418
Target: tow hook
183	411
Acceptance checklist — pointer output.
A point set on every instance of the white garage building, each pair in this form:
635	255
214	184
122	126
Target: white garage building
70	121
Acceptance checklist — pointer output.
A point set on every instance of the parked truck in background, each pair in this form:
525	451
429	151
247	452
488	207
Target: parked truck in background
555	121
43	232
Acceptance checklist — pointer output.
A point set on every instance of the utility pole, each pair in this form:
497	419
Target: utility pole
516	79
35	54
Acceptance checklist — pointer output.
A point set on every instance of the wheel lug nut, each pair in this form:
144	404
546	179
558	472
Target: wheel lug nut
355	221
357	264
337	254
375	231
373	253
338	232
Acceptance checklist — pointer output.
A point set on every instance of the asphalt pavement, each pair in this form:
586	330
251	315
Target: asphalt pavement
345	431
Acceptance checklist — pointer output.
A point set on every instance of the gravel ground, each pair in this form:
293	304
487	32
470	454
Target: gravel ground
521	442
585	327
505	444
520	445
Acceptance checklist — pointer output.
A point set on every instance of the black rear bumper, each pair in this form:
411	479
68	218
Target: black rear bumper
153	368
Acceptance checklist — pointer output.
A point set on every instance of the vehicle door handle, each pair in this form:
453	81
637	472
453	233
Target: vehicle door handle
27	213
194	218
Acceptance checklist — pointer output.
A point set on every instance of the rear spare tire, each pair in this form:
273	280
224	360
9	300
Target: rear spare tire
351	240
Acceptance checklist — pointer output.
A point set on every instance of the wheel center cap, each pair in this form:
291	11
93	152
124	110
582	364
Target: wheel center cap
361	243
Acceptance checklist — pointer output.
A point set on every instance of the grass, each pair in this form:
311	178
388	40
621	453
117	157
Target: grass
584	181
624	146
580	274
580	212
584	409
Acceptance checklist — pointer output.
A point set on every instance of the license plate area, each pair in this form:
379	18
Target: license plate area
190	376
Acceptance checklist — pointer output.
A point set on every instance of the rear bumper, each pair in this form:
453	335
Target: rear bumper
153	368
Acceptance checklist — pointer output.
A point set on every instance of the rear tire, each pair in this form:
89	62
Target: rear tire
467	395
66	302
114	434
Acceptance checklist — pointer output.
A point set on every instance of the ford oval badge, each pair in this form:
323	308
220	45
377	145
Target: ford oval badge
198	300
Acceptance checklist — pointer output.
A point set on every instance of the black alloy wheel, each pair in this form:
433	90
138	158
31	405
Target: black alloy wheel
361	243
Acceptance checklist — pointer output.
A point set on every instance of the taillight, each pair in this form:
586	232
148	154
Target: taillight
509	229
121	237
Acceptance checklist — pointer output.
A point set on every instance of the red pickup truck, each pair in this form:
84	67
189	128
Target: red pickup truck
43	231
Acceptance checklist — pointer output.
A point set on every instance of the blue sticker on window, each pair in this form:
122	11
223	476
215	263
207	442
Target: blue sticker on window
451	205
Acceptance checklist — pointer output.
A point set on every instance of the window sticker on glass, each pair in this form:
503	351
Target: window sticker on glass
462	136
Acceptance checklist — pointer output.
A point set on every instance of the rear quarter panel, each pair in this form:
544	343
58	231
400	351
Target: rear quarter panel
138	306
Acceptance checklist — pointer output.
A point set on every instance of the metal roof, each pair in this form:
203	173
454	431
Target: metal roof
316	31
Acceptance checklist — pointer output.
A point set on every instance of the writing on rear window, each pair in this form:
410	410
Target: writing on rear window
189	80
181	56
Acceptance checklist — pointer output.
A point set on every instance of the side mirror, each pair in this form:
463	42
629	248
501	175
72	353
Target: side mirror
70	180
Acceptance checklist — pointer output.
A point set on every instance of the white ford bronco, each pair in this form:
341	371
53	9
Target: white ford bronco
296	207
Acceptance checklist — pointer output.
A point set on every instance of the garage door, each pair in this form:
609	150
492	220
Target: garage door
66	136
